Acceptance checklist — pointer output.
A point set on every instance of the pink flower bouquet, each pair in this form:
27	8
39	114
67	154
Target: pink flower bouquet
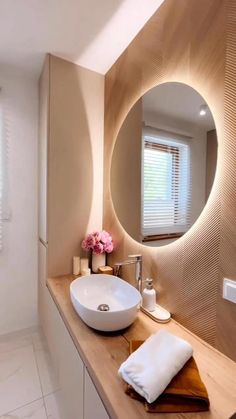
98	242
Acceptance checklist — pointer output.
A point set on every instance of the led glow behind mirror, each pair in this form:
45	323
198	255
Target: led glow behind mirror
163	164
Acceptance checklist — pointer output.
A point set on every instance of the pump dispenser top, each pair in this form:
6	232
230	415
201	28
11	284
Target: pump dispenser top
149	296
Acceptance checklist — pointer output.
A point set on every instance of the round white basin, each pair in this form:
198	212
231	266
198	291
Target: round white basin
93	293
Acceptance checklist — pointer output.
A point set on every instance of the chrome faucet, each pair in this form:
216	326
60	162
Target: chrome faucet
133	260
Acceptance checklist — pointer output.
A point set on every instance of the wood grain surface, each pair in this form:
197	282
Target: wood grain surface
193	42
103	353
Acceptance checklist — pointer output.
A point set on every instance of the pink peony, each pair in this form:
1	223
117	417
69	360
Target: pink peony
91	241
84	245
105	236
97	236
109	247
98	249
98	242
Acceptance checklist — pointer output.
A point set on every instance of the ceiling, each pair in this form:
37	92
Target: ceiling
92	33
179	102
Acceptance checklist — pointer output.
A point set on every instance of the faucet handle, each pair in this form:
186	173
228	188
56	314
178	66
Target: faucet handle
136	257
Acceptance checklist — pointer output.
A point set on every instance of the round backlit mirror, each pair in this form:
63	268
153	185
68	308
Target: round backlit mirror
163	164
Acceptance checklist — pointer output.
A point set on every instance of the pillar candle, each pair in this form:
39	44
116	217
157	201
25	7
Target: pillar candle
76	265
85	272
84	264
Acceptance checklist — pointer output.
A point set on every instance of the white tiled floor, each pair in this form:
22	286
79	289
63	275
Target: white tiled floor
28	386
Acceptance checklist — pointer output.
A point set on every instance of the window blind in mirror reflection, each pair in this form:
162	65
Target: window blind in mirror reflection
166	186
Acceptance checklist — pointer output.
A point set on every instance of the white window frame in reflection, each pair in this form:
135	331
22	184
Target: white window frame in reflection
166	200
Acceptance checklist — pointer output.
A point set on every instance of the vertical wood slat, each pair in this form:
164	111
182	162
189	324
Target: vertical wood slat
226	311
185	41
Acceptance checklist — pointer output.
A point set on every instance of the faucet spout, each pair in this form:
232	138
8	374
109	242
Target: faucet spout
133	260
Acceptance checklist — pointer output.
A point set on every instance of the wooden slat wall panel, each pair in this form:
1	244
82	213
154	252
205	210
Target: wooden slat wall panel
226	311
185	41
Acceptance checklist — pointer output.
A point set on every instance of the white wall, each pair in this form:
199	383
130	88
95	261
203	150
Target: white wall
18	259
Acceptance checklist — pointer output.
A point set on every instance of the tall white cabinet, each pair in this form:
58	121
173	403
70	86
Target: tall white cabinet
70	149
43	150
71	100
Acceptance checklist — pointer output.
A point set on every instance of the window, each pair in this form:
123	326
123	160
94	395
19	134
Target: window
165	186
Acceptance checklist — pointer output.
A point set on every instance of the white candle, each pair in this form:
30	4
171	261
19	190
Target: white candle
84	264
86	271
76	265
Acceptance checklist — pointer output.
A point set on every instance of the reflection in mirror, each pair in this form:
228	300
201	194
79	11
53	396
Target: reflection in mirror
163	164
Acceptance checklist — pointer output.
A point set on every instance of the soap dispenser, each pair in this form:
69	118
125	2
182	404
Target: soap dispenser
149	296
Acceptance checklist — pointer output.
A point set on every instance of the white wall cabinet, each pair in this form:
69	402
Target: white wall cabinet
70	141
42	263
43	151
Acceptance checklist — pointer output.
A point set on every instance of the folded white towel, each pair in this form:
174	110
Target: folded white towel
152	366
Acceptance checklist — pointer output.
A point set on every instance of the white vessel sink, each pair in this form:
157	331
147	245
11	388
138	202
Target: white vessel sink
93	293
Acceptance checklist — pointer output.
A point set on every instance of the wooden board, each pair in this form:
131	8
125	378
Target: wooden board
103	353
193	42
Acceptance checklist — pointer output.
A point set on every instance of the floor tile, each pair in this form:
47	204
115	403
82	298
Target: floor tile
19	380
38	339
35	410
46	372
52	408
16	340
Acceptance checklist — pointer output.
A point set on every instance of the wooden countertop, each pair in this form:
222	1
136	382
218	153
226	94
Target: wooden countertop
103	353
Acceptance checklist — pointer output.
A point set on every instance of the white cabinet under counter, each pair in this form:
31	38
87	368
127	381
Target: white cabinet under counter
76	394
99	356
93	406
71	377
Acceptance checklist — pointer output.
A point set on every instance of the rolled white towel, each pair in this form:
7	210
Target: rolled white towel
152	366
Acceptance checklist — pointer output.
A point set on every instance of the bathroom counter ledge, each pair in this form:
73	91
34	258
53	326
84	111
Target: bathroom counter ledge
103	353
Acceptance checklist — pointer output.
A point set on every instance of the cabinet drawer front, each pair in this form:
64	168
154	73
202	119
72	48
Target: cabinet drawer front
93	406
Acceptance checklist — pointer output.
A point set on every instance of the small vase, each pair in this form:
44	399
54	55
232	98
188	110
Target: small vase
97	261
